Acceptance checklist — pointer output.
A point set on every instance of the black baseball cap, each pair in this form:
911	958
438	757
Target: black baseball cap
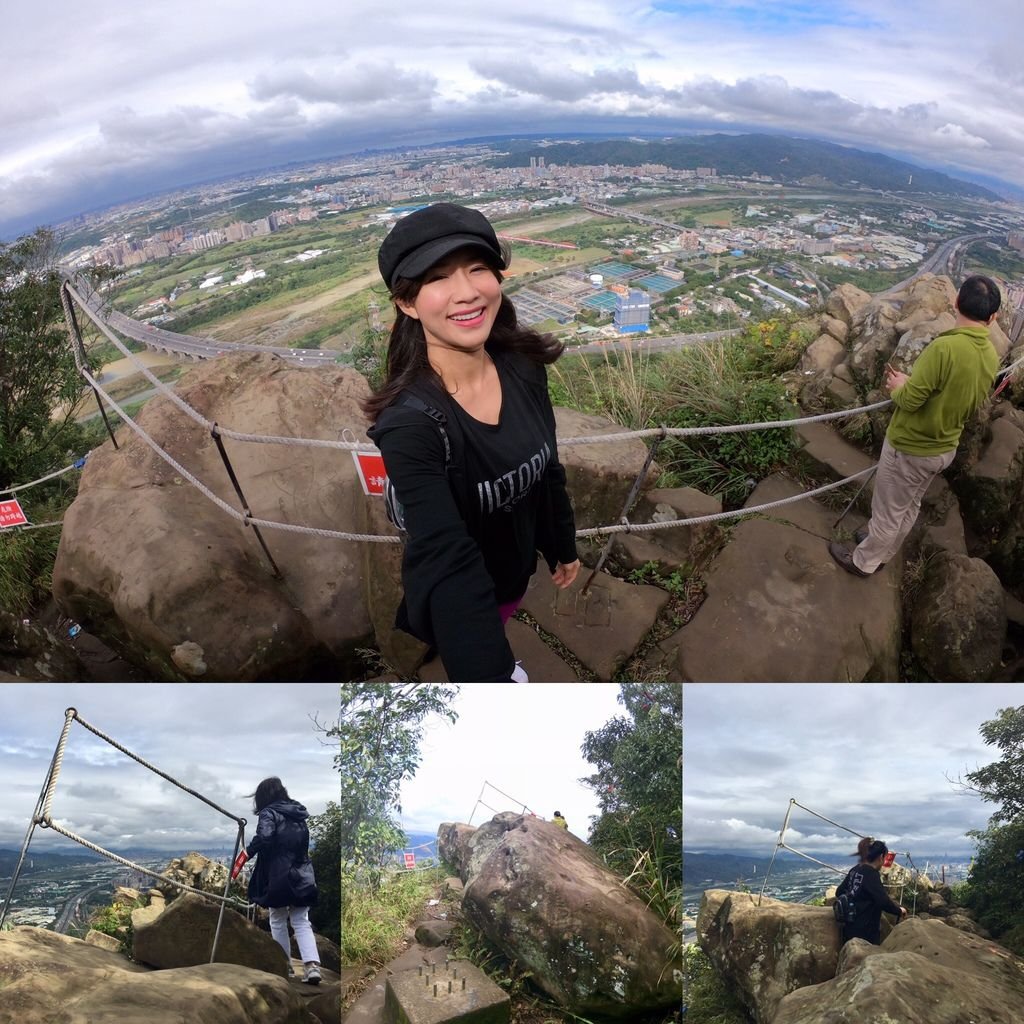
427	236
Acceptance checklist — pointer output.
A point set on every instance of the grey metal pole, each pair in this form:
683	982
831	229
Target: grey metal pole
778	845
32	824
227	885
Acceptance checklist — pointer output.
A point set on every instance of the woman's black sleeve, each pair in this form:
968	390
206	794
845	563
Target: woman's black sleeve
265	829
449	594
874	888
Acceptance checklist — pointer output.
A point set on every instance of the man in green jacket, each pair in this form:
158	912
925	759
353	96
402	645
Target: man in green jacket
951	378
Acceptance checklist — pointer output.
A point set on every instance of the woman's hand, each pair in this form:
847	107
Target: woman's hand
564	575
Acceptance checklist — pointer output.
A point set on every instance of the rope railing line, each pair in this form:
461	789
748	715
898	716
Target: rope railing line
620	436
77	464
223	505
46	822
715	516
29	526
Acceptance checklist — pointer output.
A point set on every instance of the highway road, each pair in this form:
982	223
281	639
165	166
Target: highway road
70	909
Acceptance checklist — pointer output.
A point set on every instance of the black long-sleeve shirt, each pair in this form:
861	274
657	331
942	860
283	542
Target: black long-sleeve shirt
863	885
475	525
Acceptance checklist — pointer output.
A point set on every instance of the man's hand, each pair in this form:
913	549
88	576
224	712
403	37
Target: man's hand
564	575
894	379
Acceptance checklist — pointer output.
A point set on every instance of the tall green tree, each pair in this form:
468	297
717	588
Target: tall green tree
325	833
996	884
379	732
39	383
638	781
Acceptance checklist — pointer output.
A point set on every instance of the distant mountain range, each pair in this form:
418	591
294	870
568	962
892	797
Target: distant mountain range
45	860
786	160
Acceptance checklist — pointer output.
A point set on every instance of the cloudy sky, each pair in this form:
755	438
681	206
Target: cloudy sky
219	740
523	739
873	758
100	103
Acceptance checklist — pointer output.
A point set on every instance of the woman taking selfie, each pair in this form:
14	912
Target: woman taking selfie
467	432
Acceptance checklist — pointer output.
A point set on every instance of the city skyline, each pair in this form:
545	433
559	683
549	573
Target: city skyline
232	90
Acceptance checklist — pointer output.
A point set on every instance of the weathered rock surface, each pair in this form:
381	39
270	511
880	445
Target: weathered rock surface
46	977
847	303
102	940
778	608
958	619
765	952
195	870
599	476
602	627
544	898
149	564
434	933
182	936
923	973
453	846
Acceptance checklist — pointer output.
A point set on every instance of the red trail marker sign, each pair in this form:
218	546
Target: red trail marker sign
11	514
370	467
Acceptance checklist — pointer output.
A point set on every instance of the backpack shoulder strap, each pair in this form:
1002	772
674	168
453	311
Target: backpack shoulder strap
414	402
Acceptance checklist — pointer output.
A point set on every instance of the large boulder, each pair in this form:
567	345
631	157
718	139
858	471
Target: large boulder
873	339
766	950
453	846
545	899
914	341
822	355
926	297
847	304
924	973
778	608
182	936
46	977
155	568
958	619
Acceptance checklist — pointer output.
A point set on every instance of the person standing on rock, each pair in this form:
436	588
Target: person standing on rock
467	432
863	885
282	880
560	821
951	378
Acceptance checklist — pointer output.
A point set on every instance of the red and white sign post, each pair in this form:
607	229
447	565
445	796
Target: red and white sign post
410	861
11	514
370	467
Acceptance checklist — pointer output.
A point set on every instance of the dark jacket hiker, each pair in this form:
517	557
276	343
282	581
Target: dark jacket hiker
863	885
283	875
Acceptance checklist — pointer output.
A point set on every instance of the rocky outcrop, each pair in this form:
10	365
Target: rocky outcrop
923	973
958	619
766	951
30	651
195	870
46	977
453	846
182	936
546	900
150	564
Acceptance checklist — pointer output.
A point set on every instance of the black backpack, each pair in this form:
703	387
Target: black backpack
844	909
393	507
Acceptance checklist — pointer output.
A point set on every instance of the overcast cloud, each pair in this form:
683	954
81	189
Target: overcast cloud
99	105
873	758
219	740
523	739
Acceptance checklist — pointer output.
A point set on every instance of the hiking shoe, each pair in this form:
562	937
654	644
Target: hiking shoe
859	536
291	971
311	973
844	558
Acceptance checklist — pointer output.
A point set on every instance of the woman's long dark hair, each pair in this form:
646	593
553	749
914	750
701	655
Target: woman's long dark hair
267	792
407	346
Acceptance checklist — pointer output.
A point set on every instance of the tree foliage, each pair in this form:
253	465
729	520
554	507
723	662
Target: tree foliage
996	885
38	376
379	733
325	833
638	780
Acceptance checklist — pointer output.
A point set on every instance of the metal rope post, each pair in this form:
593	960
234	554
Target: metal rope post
239	839
79	350
778	845
32	824
215	434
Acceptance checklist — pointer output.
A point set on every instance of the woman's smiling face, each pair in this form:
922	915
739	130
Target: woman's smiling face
457	302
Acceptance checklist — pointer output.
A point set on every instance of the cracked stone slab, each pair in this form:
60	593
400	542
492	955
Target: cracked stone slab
602	627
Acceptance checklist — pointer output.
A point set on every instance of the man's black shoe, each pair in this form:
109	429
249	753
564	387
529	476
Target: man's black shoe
844	558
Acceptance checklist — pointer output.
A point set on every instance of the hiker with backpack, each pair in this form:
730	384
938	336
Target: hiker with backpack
282	880
467	431
861	898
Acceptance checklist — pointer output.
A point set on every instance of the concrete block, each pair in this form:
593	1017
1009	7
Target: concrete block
452	991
